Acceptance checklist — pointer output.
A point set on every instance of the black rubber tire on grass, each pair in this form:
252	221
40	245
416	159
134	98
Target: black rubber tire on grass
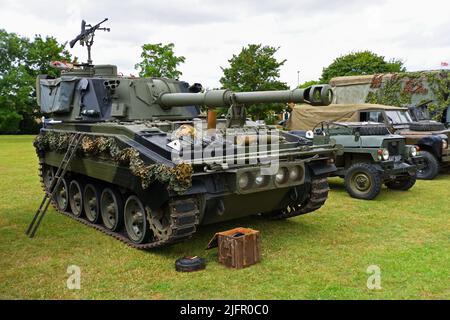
364	170
431	169
190	264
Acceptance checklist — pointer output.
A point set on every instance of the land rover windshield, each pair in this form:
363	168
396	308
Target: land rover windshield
398	117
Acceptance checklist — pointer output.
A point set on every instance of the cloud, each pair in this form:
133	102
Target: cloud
310	33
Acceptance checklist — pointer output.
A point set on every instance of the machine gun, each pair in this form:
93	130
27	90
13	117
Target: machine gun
86	36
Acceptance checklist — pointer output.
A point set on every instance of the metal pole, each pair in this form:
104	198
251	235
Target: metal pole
298	78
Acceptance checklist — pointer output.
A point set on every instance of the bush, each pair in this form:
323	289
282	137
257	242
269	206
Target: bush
9	121
28	124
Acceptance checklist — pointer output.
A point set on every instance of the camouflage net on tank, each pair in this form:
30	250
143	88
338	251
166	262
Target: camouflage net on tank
177	178
52	141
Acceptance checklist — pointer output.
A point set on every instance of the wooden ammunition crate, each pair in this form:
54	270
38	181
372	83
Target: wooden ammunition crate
238	248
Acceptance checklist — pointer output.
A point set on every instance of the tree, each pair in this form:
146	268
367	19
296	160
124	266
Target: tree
309	83
255	69
359	63
21	60
9	121
159	60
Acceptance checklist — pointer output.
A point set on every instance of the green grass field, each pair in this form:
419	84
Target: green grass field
324	255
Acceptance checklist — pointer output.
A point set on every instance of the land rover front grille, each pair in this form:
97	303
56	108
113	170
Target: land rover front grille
394	148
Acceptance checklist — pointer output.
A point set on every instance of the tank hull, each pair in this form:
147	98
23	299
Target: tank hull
215	194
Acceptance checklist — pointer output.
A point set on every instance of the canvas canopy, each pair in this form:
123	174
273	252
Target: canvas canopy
306	117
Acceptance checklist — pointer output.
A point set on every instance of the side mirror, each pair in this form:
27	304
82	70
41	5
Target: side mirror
309	134
357	136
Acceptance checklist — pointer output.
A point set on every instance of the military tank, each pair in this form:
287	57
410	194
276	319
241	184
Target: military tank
148	167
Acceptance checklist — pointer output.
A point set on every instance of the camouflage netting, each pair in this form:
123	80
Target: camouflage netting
400	89
52	141
178	178
396	89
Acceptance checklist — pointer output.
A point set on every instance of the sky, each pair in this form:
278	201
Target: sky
310	33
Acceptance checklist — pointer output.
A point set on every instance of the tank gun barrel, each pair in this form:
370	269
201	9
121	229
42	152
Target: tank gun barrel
314	95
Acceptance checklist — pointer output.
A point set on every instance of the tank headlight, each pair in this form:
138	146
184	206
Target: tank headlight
444	144
244	181
260	180
294	173
413	151
281	175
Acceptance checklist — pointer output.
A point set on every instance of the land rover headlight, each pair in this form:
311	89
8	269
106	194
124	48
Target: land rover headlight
260	180
244	181
294	173
281	175
383	154
413	151
444	144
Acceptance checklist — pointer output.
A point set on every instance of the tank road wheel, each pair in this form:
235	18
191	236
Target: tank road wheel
363	181
91	200
402	183
75	198
317	197
431	169
47	176
136	221
160	222
62	195
111	208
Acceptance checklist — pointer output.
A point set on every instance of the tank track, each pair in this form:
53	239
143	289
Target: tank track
184	214
317	198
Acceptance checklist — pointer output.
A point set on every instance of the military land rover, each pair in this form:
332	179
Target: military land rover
412	91
371	155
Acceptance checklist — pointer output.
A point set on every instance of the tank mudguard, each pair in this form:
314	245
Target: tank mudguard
198	187
320	168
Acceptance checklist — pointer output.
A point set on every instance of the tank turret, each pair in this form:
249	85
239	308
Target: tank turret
101	96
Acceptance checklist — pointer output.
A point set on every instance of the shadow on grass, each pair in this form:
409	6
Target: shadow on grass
65	228
338	186
444	173
268	228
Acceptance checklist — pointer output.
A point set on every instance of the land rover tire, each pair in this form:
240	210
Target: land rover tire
426	126
431	169
363	181
373	131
